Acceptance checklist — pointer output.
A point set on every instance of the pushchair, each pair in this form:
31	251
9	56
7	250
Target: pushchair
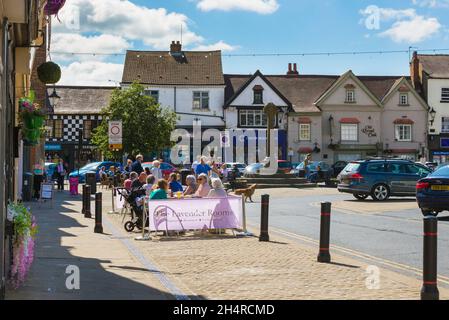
136	209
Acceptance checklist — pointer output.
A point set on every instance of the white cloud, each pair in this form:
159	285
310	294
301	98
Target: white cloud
412	31
154	27
220	45
408	26
259	6
95	73
77	43
432	3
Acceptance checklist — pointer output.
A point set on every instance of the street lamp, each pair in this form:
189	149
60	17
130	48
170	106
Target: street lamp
54	99
432	113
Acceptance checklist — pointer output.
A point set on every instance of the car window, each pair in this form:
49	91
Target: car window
443	172
376	167
352	167
324	166
396	168
284	165
165	166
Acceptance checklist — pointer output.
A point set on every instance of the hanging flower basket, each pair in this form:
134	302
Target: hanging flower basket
25	230
53	6
49	72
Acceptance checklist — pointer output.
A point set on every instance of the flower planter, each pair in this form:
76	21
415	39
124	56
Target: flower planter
33	121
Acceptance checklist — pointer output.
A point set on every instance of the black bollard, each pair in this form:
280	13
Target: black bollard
429	289
324	255
83	210
98	213
87	213
264	219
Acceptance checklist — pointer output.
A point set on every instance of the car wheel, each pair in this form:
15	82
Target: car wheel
360	196
380	192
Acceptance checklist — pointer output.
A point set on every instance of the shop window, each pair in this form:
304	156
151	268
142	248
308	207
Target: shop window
58	129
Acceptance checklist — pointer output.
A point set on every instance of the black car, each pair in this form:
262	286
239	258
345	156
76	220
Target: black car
432	192
338	167
381	179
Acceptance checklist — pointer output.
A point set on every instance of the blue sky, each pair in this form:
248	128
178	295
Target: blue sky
250	26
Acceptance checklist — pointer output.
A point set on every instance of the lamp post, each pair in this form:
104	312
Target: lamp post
54	100
432	114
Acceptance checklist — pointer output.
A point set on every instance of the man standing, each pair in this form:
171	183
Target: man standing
203	167
137	165
61	174
156	170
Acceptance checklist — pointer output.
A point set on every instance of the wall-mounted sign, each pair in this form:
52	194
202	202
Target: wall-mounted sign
115	134
369	131
444	142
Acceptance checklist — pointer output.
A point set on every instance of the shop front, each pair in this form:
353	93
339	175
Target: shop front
439	148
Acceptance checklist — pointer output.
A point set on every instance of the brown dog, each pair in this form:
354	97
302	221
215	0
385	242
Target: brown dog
248	192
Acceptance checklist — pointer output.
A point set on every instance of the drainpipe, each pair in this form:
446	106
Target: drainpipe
4	99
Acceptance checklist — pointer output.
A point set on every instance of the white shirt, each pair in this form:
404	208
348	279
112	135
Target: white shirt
157	173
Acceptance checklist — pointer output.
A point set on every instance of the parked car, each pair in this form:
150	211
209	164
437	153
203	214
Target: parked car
93	167
240	166
381	179
253	169
337	167
300	170
284	166
166	168
432	192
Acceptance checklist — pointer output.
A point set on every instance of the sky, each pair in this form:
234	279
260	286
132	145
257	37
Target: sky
248	27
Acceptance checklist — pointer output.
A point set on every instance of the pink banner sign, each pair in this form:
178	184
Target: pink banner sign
195	214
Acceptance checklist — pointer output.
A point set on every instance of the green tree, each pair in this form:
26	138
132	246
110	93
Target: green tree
146	125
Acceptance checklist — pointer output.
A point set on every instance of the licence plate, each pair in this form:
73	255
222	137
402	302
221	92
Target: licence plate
440	188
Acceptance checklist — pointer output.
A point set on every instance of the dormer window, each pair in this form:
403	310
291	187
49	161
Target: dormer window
403	99
350	93
258	94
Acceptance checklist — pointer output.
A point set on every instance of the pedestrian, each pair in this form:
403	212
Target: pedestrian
129	165
202	167
224	172
137	165
174	184
156	170
61	174
38	179
161	192
191	185
217	190
203	186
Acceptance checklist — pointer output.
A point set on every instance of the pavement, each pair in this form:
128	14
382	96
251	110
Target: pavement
113	265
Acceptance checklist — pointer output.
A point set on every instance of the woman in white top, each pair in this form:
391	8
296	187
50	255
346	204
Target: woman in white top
217	190
156	170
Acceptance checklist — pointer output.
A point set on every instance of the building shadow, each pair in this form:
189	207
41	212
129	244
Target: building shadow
98	279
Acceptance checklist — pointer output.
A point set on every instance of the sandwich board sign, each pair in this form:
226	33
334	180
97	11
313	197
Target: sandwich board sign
115	135
47	192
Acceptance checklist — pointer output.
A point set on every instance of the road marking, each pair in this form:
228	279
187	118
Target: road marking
359	254
171	287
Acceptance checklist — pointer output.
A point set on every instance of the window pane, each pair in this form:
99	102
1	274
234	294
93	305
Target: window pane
258	119
250	118
205	103
445	125
349	132
445	94
243	118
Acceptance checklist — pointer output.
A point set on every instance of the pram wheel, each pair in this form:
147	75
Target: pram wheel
129	226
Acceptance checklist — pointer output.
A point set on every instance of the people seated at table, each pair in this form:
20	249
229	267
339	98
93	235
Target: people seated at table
102	171
150	184
217	190
174	184
203	186
161	192
140	181
129	165
191	186
128	182
147	171
111	171
224	171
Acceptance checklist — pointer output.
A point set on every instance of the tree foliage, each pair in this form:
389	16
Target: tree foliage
146	125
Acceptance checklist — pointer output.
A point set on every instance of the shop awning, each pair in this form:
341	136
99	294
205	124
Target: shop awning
304	120
404	121
305	150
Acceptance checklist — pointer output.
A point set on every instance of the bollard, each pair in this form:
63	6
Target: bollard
429	289
87	213
324	255
264	218
83	210
98	213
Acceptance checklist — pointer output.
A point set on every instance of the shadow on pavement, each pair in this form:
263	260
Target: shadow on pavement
47	277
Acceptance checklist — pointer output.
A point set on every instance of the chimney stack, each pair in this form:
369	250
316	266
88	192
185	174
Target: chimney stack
414	72
292	71
175	47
